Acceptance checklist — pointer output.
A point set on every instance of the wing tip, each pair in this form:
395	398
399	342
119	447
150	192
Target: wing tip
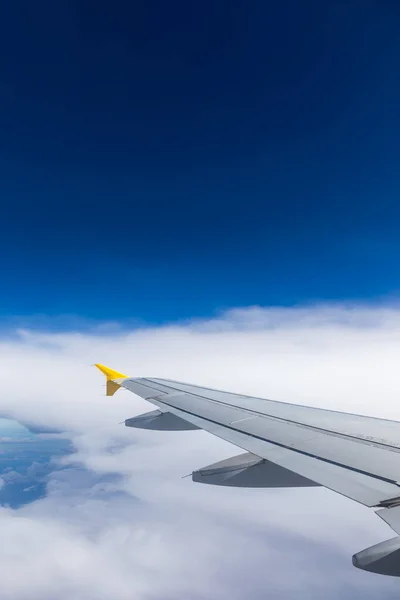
111	385
110	373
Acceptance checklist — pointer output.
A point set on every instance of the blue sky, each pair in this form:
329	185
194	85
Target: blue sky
166	160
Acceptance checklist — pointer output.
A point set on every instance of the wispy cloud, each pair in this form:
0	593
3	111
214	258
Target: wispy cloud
119	521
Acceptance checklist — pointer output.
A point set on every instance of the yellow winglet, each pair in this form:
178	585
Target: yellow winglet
111	385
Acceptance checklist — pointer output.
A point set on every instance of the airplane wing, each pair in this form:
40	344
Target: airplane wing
286	445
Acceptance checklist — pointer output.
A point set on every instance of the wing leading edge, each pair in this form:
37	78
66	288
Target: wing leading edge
286	446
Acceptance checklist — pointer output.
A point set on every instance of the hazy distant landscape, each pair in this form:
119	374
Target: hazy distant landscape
26	459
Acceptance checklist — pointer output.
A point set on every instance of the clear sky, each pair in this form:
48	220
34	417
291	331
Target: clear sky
162	160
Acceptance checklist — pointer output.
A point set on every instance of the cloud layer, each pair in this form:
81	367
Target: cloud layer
119	521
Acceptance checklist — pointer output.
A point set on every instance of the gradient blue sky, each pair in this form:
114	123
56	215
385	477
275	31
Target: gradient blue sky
162	160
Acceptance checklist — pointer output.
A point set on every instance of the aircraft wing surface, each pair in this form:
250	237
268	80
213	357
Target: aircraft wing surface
286	445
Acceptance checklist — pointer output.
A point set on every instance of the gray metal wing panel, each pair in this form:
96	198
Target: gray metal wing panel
143	389
359	486
344	451
348	452
382	431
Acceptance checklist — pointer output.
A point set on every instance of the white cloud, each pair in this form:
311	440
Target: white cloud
120	522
